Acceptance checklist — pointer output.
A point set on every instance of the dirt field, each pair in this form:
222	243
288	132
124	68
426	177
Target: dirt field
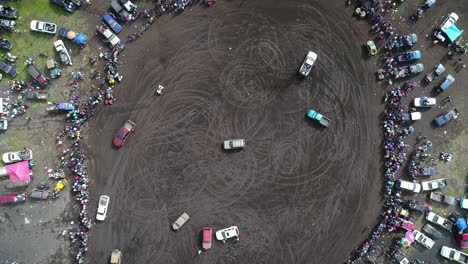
298	192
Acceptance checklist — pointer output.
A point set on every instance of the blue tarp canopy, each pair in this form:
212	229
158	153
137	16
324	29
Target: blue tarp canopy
461	224
65	106
79	39
453	32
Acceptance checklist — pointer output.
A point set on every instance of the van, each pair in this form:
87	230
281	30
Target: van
449	80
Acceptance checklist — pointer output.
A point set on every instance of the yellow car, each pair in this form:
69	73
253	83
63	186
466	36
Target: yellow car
371	48
60	185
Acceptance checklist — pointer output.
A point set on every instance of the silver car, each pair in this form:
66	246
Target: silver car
234	144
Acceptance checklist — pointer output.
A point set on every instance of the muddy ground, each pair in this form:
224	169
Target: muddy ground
298	192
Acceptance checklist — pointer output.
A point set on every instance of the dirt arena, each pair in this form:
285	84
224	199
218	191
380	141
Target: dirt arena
299	193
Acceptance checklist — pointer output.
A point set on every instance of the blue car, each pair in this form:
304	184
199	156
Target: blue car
110	21
408	56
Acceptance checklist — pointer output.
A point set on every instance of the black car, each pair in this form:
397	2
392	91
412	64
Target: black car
65	5
8	12
119	11
5	44
7	24
8	69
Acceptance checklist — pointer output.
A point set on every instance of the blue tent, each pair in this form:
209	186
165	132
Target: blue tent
453	32
80	39
461	224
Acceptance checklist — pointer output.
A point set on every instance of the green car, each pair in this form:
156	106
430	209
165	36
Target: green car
371	48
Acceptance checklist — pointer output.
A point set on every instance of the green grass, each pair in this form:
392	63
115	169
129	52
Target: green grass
35	45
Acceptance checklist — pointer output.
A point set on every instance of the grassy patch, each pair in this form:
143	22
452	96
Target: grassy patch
35	45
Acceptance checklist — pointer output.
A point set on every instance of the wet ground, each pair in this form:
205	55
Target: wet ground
297	191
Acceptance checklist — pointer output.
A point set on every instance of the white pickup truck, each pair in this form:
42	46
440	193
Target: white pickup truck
453	254
308	63
234	144
107	33
62	52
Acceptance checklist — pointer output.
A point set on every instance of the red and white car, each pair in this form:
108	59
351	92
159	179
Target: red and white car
207	234
123	133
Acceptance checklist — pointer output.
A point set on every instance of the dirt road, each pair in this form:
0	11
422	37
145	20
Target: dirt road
299	193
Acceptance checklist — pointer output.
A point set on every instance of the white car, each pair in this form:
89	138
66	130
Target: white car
439	220
12	157
234	144
45	27
227	233
434	184
102	208
107	33
448	22
308	63
453	254
62	52
423	239
424	101
464	203
409	186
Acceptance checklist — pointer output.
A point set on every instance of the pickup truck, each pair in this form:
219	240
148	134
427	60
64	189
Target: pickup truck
432	231
323	120
408	56
107	33
180	221
451	19
407	71
413	116
62	52
409	186
439	220
424	101
36	95
308	63
453	254
436	72
123	133
36	74
440	197
8	69
234	144
444	118
434	184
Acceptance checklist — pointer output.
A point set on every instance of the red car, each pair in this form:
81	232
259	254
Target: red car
123	133
463	240
9	198
207	234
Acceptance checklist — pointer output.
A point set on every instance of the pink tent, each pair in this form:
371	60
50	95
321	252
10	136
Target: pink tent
18	171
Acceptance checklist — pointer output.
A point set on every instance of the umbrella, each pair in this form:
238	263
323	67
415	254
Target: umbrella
404	242
71	35
80	38
410	236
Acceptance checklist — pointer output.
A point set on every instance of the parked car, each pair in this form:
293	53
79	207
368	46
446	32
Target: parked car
116	257
206	241
439	220
39	194
408	56
5	44
451	19
464	203
110	21
423	239
308	63
371	48
434	184
8	12
435	73
413	116
65	5
16	156
432	231
11	198
440	197
107	33
183	218
227	233
16	184
54	70
45	27
402	42
8	69
128	5
7	24
119	11
36	95
40	79
453	254
407	71
444	118
409	186
407	225
234	144
121	136
102	208
321	119
419	206
463	240
62	52
424	101
446	82
77	3
64	107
